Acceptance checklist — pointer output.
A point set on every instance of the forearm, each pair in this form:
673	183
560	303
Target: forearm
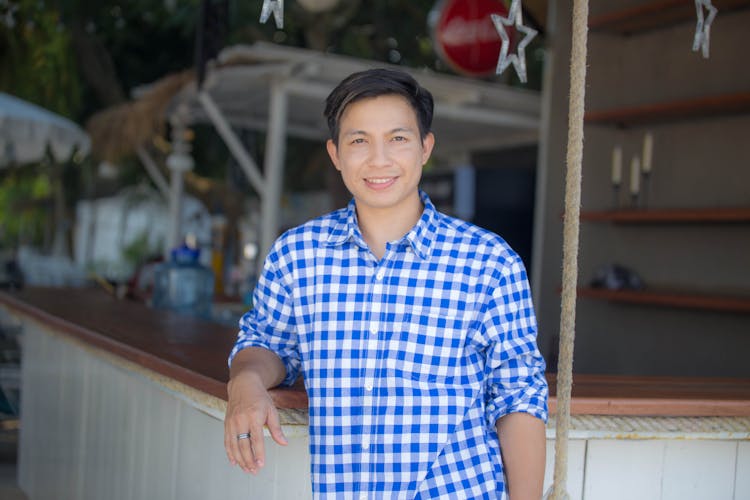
523	445
258	363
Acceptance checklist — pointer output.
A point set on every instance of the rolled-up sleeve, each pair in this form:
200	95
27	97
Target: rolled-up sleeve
514	365
270	323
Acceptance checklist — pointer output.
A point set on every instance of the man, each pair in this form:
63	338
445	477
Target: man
415	331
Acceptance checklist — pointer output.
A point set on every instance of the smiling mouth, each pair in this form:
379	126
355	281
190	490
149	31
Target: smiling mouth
379	180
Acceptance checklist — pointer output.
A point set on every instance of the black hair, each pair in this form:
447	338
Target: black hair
374	83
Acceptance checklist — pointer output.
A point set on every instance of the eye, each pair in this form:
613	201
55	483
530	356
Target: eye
358	140
399	138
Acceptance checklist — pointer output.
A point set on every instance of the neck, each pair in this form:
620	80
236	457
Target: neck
378	226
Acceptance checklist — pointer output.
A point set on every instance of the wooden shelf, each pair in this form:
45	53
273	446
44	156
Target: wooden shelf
700	107
702	301
667	216
655	14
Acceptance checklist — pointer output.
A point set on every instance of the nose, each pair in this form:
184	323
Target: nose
379	156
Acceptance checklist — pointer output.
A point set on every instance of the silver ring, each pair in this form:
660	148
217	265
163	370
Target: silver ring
244	435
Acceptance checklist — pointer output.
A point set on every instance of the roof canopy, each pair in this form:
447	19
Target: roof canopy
28	131
470	115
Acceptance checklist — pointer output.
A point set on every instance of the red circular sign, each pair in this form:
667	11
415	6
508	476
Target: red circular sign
465	36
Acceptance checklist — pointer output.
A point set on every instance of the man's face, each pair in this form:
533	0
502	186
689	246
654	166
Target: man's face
380	153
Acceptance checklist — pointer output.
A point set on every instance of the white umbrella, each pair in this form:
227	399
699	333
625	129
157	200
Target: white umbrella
27	130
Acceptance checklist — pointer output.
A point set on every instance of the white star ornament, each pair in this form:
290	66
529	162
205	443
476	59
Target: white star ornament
277	8
515	18
703	25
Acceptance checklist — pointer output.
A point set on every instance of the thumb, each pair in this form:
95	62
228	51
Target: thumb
274	427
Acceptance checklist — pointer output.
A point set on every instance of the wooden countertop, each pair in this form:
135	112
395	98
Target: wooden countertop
194	352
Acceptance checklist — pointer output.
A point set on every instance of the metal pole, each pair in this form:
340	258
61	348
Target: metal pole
233	142
274	168
179	161
153	171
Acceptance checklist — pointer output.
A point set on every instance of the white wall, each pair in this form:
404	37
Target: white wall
93	430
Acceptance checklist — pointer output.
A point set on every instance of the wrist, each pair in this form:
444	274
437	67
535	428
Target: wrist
247	380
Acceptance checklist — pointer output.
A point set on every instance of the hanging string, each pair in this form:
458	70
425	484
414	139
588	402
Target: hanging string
570	246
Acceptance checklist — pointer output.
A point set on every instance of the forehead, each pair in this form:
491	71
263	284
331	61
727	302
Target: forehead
388	109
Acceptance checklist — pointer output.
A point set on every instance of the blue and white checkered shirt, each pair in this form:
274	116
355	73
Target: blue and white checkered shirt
409	361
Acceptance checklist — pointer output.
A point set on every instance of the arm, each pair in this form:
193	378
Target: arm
523	444
249	406
516	390
265	355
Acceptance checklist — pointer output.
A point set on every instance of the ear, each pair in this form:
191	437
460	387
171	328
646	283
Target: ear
427	144
333	153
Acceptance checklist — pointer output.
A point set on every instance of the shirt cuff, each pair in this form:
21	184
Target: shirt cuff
291	366
533	402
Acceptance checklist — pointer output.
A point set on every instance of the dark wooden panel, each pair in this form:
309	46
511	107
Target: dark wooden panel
666	298
699	107
655	14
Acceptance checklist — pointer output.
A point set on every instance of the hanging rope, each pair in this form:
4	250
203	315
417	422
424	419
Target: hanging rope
570	245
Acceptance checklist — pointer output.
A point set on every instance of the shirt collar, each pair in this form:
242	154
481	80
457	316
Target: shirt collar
345	227
420	237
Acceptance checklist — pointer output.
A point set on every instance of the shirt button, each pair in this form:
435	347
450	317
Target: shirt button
374	329
380	274
368	386
363	496
365	445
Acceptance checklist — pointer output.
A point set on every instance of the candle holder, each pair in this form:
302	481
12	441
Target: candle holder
615	196
646	188
635	181
635	199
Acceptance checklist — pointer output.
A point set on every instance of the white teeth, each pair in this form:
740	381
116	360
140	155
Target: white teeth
379	181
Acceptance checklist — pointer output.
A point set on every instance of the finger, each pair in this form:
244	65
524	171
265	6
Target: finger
245	454
228	446
234	427
274	427
230	442
258	447
235	450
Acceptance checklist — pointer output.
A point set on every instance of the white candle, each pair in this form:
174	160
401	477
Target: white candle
648	152
635	176
617	166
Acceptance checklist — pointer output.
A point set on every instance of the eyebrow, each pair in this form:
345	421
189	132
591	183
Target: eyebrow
392	131
402	129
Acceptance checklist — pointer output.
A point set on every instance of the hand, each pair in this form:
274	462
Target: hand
249	408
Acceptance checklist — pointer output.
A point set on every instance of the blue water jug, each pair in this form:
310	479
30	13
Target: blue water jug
183	284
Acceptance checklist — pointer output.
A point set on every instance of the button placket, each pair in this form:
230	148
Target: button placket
374	334
376	309
368	383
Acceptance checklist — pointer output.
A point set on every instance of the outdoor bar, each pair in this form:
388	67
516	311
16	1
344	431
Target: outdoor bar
122	401
120	394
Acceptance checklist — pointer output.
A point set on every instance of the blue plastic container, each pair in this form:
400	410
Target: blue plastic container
183	284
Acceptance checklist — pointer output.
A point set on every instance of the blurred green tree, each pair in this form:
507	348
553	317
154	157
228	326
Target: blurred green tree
37	62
